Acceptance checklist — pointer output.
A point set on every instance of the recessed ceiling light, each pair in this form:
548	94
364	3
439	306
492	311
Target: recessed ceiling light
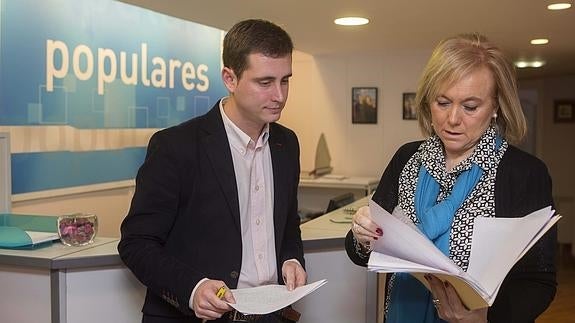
524	64
539	41
559	6
351	21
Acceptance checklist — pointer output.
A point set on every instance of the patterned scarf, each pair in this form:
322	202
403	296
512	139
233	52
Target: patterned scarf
443	205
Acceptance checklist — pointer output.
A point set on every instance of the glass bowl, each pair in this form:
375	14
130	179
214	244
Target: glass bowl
77	229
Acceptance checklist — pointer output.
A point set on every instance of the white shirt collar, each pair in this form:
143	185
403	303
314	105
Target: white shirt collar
237	137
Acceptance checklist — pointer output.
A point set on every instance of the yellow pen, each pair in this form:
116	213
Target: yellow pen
221	292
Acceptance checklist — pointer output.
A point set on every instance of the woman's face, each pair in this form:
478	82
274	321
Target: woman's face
462	112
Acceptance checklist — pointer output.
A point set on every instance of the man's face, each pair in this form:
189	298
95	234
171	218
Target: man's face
261	93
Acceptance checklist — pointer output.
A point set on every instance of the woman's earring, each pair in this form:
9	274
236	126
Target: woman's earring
494	122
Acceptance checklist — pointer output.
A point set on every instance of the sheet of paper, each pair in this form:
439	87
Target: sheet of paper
388	264
400	240
270	298
510	237
39	237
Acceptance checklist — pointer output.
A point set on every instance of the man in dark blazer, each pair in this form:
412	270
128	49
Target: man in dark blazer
215	203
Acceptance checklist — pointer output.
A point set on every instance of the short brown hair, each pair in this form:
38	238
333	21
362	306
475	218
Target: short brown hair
456	57
254	36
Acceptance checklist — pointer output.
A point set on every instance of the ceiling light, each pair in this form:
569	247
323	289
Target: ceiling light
524	64
351	21
539	41
559	6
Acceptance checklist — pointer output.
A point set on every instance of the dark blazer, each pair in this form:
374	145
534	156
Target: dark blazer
184	220
522	185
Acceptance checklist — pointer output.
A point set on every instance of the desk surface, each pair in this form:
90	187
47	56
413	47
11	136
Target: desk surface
49	257
331	228
335	181
325	232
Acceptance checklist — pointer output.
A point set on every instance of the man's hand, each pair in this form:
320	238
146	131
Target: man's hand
293	274
206	303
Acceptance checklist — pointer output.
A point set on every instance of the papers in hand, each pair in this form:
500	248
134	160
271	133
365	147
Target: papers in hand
497	244
269	298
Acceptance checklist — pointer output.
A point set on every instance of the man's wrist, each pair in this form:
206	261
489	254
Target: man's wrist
293	260
191	301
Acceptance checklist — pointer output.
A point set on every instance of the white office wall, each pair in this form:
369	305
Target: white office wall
555	145
320	102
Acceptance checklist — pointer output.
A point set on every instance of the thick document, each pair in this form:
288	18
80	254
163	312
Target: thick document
497	244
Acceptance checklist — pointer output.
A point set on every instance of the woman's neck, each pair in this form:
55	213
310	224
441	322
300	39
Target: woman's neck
452	161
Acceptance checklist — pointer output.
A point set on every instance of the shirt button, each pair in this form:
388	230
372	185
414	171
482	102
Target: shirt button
258	221
257	187
234	274
260	256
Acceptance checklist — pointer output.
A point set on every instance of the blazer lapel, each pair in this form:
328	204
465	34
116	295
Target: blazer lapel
280	172
216	144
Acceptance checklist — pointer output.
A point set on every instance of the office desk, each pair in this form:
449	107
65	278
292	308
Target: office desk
314	194
351	291
90	284
68	284
368	184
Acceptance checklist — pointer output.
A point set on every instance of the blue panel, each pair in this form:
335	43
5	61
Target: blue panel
64	35
54	107
51	170
54	56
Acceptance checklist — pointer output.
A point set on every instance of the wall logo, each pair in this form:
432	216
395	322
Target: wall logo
132	68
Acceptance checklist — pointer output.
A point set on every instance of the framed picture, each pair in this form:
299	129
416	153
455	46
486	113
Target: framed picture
564	111
409	109
364	105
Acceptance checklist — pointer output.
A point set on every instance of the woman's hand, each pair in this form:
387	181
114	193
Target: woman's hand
363	228
449	306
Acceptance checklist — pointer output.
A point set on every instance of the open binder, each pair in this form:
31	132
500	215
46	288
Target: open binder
19	231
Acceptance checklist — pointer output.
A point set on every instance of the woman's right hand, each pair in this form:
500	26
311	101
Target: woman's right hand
364	230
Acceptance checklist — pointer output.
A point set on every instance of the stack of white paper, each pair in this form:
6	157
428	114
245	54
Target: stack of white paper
498	243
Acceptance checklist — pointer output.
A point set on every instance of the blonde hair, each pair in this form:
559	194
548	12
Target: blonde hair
456	57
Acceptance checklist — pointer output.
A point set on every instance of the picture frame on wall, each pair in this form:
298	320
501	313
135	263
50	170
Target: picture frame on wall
364	105
564	111
408	106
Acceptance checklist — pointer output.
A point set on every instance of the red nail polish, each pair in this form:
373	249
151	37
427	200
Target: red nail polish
375	238
379	231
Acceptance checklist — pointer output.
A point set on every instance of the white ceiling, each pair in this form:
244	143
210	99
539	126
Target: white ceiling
398	24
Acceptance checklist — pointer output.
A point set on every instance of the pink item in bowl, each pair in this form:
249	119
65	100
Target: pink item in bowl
77	229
